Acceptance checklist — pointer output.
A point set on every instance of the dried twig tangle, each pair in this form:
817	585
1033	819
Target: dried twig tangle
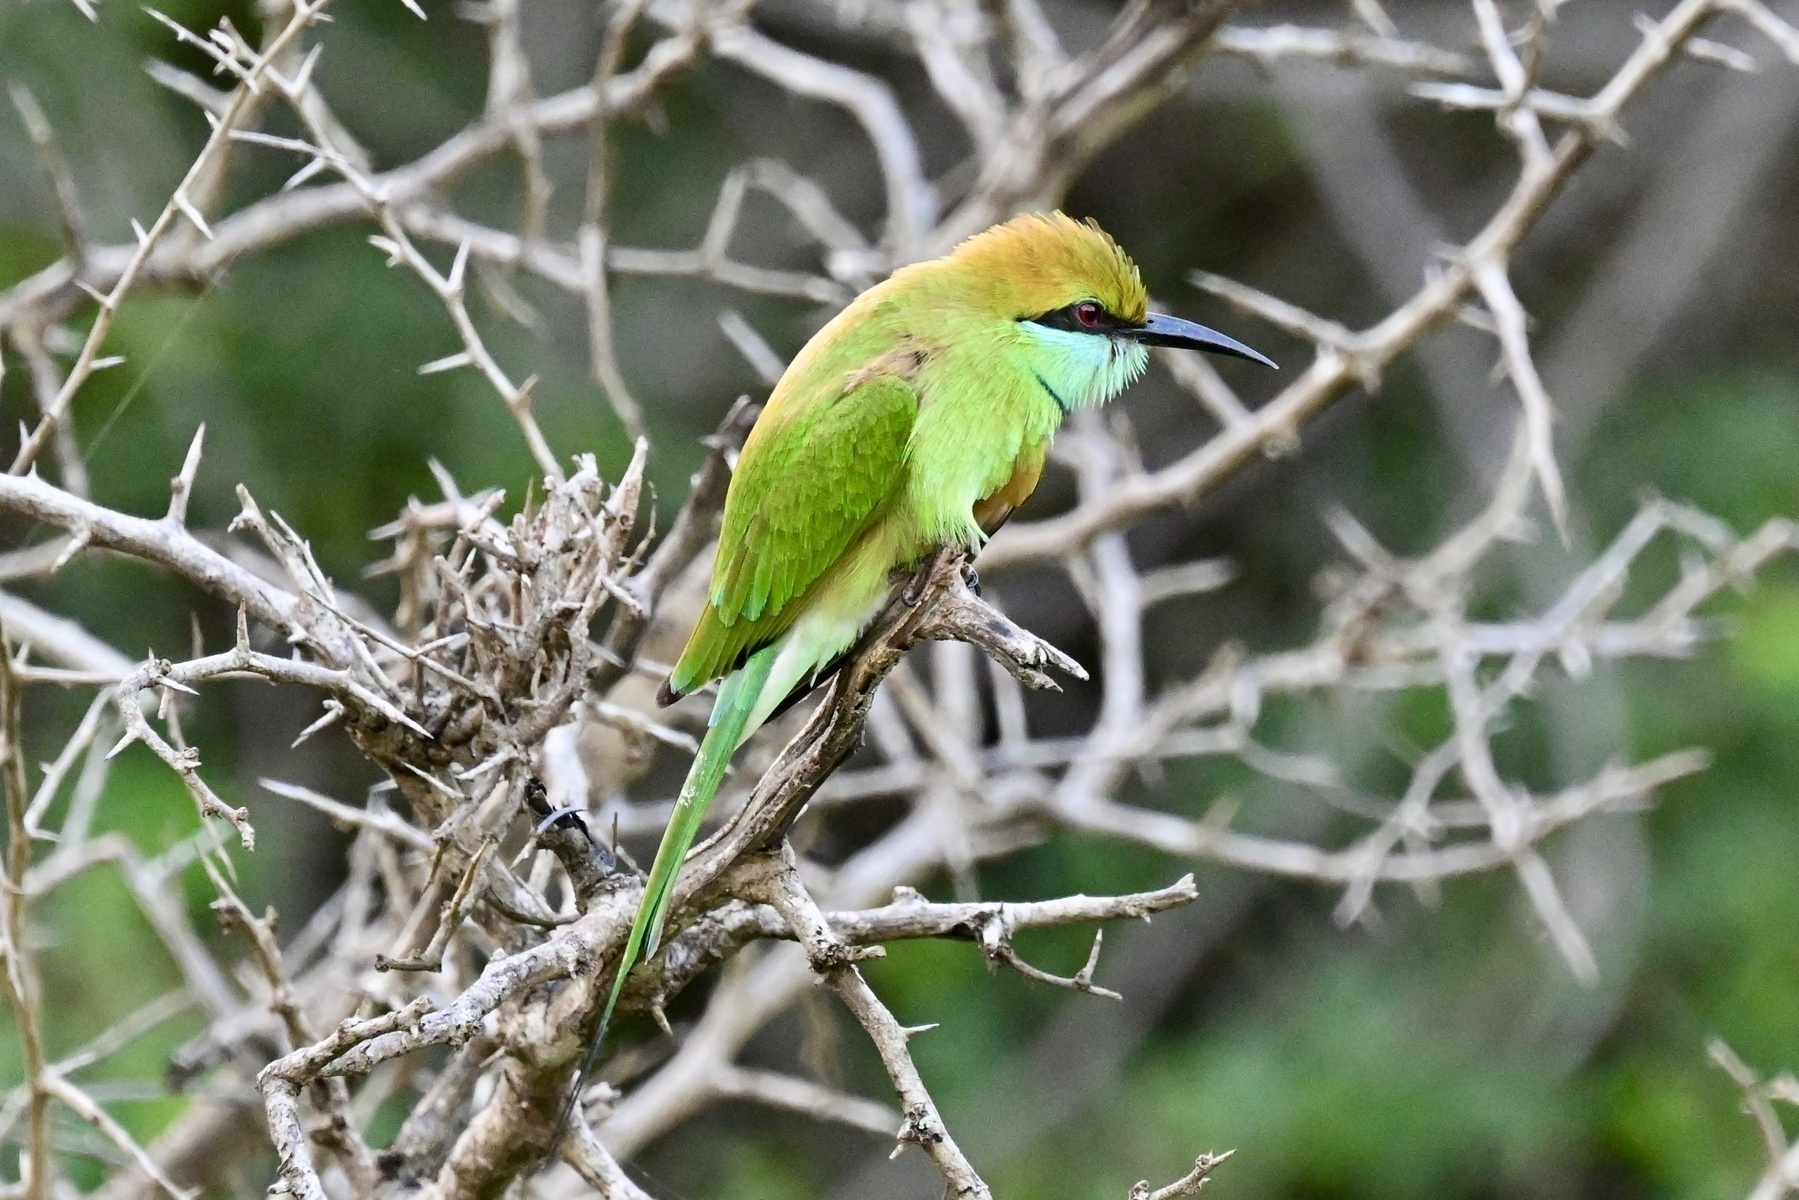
483	910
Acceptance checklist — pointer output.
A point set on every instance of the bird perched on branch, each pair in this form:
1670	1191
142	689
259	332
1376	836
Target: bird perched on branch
919	417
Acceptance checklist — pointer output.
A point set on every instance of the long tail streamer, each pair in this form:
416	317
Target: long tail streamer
726	731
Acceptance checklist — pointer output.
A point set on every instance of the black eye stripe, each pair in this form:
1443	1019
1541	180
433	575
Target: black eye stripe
1068	319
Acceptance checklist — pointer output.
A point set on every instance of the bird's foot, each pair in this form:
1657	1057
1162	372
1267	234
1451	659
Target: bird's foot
971	578
579	852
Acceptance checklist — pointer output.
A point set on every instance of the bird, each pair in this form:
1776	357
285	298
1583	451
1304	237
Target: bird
918	418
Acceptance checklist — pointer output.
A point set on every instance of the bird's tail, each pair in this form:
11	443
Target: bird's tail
729	726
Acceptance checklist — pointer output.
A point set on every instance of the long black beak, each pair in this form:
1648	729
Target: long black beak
1163	330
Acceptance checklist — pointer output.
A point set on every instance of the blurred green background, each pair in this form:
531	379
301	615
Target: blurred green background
1439	1051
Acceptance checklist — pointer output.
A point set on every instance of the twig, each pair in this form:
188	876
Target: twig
1187	1185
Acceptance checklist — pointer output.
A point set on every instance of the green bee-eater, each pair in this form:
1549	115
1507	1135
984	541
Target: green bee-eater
919	417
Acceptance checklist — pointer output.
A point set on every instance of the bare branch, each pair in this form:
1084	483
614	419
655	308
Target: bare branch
506	697
1187	1185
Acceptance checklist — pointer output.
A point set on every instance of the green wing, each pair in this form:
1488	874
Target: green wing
804	491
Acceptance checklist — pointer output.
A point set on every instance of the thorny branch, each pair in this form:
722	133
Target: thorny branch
1187	1185
1781	1176
482	914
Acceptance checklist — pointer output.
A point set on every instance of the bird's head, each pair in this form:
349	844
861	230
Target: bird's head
1077	304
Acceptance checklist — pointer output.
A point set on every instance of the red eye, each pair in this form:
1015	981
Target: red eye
1088	313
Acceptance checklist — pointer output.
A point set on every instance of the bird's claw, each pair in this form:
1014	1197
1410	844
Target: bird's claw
971	578
570	817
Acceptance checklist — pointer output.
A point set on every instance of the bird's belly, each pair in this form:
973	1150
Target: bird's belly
836	612
991	511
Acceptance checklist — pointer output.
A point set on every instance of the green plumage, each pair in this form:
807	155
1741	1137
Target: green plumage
919	413
797	503
723	734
